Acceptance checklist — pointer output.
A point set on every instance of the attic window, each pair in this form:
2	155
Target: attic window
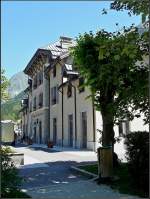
68	66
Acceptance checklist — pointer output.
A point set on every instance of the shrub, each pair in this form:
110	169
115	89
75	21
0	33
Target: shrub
10	180
137	145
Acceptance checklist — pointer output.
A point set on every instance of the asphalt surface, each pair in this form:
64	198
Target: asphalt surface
47	174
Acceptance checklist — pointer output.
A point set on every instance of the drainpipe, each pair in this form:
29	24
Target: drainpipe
62	111
94	126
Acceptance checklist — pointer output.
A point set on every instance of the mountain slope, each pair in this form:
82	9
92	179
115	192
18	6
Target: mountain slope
18	83
10	109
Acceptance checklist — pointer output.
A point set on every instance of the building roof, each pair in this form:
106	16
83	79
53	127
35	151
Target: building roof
57	49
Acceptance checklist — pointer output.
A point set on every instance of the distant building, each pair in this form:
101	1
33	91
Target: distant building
7	131
56	108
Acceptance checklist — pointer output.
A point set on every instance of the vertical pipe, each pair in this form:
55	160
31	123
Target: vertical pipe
62	96
93	125
75	111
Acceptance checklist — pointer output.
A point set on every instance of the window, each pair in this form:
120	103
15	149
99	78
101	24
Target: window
34	104
81	85
54	71
30	106
54	95
40	77
123	127
35	82
69	91
40	100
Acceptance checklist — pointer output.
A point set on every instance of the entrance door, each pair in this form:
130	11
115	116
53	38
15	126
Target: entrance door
40	132
54	131
35	134
84	129
70	130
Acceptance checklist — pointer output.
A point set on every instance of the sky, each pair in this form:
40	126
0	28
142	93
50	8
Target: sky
29	25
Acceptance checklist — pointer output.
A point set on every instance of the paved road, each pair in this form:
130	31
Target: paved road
47	174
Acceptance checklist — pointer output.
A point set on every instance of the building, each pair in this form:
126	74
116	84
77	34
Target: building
57	108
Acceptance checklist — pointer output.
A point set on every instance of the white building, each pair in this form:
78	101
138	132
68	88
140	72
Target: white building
57	109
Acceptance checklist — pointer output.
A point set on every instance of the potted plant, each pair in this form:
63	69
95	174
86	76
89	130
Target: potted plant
50	144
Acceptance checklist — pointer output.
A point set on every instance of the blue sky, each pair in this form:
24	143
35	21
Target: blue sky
26	26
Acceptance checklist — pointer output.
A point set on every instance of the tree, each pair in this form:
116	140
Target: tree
4	85
108	62
135	7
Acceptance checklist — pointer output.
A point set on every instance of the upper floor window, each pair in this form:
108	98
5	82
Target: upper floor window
69	91
81	85
123	127
40	100
30	106
54	71
54	95
35	82
40	77
34	104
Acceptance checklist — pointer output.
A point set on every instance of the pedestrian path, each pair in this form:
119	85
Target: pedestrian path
47	174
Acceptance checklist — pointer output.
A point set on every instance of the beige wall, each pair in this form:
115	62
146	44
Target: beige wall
83	105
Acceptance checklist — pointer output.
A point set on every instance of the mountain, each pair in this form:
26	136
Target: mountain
10	109
18	83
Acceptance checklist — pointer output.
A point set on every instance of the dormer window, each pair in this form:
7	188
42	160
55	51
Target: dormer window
54	71
69	91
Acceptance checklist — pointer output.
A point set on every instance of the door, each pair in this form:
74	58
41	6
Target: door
84	129
70	130
40	132
54	131
34	138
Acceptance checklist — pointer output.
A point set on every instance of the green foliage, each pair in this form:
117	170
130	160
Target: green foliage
10	179
137	145
10	109
136	7
107	61
4	85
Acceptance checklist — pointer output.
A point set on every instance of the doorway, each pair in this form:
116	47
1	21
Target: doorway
54	131
84	129
40	132
70	130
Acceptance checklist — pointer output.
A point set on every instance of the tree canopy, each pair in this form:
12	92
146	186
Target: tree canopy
135	7
113	67
4	85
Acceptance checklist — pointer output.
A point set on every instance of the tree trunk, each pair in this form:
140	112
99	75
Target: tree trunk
106	151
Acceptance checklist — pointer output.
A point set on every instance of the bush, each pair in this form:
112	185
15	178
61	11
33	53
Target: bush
137	145
10	180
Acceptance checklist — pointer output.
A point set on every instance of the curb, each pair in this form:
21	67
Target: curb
89	174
